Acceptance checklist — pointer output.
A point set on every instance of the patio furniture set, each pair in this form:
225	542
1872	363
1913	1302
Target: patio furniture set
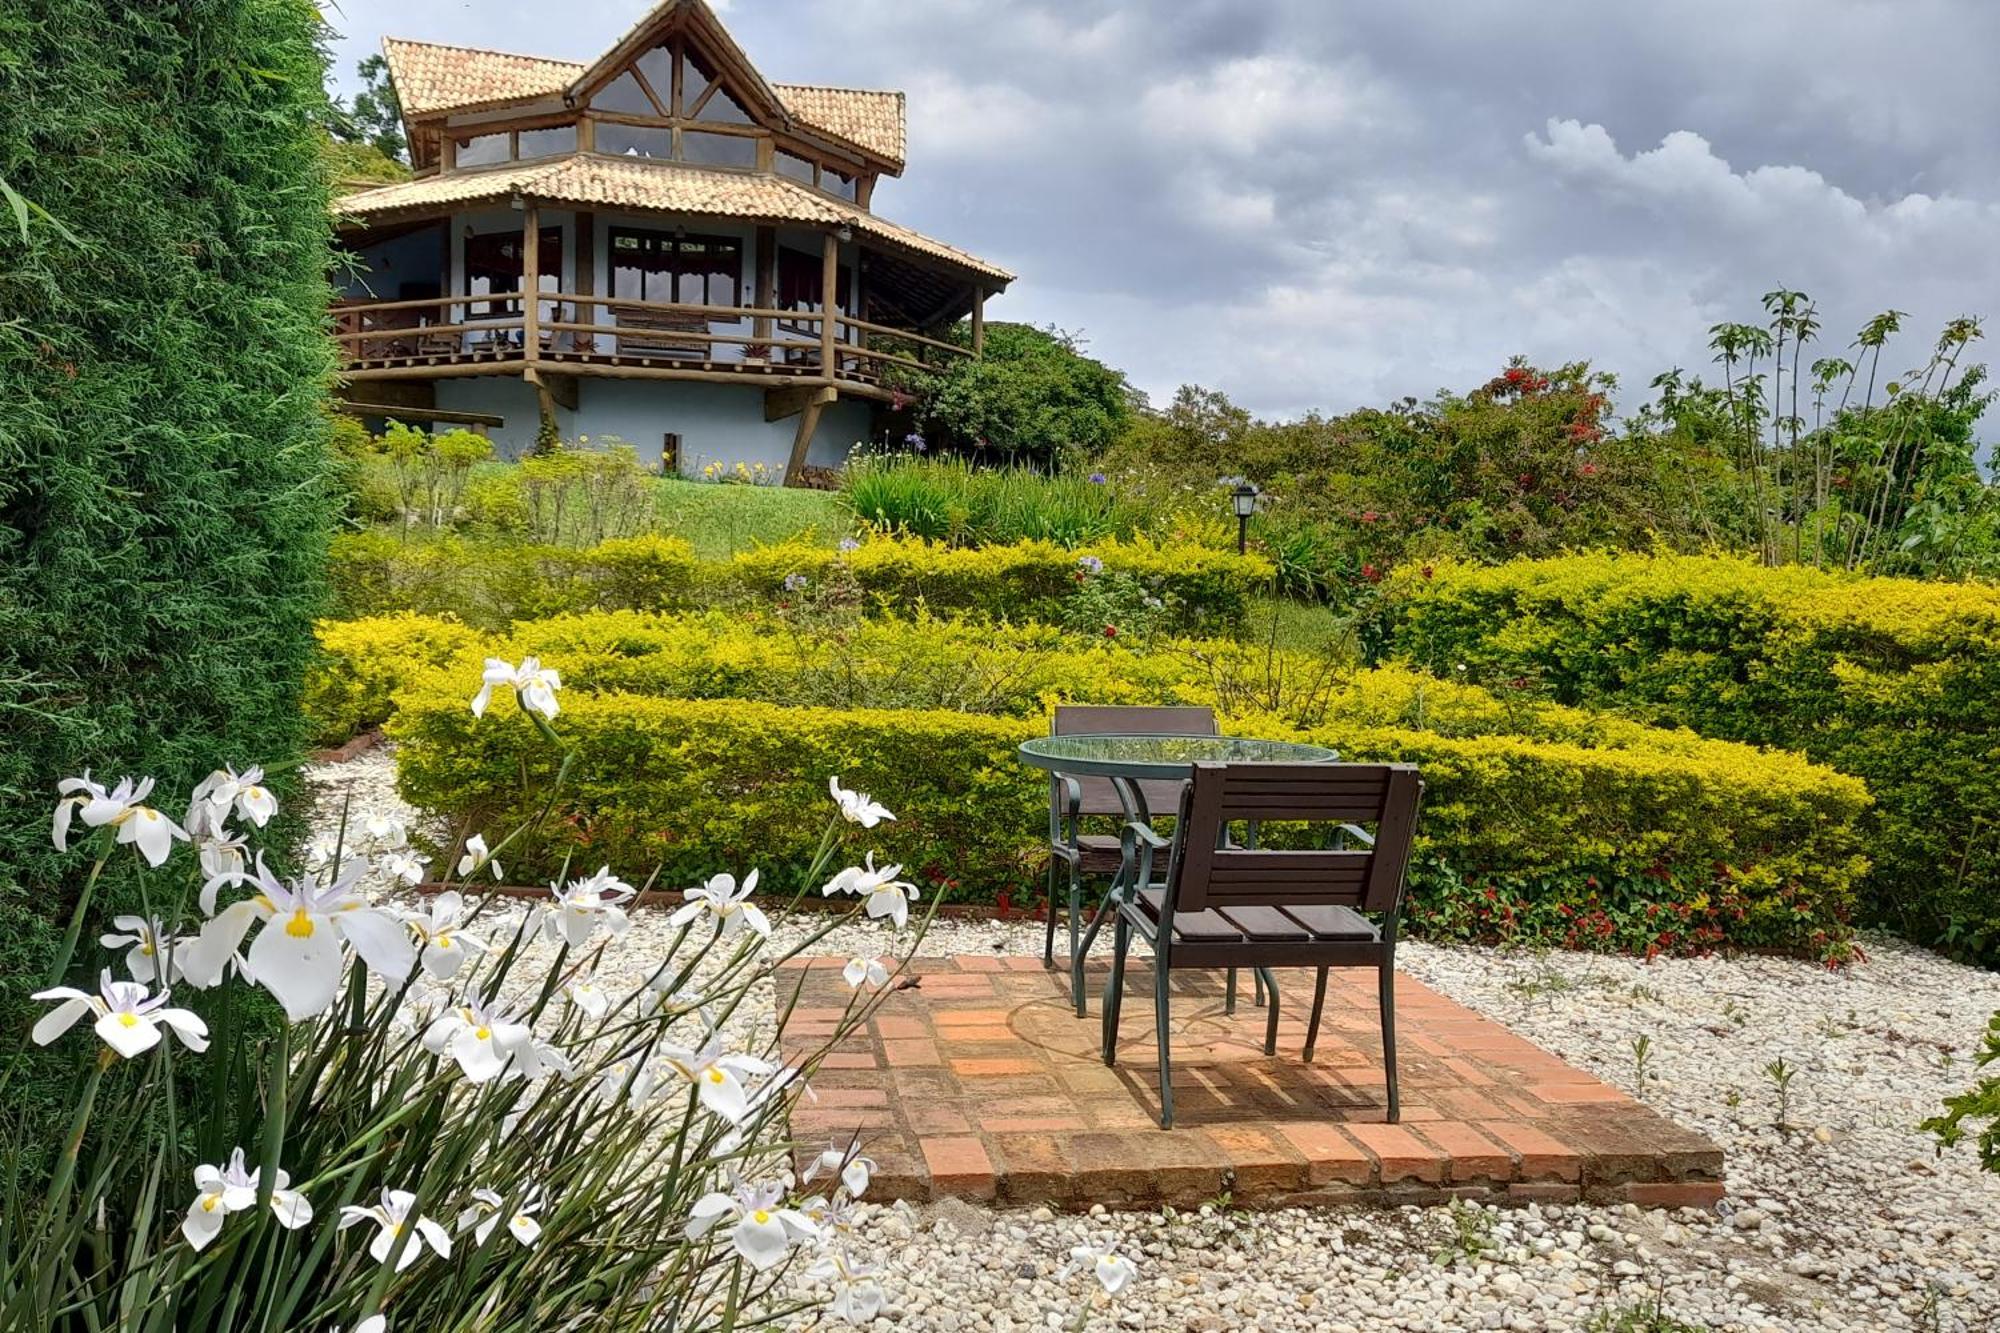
1209	895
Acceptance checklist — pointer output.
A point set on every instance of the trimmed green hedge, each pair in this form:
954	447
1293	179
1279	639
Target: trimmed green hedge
164	365
1891	680
1594	833
492	584
1200	589
928	663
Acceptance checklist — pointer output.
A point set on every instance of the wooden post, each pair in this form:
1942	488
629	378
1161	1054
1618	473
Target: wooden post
586	280
978	321
829	295
531	282
808	424
766	280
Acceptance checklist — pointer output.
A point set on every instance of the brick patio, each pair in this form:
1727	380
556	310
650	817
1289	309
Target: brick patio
981	1082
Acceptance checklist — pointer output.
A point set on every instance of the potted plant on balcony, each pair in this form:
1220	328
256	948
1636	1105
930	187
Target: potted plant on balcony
757	353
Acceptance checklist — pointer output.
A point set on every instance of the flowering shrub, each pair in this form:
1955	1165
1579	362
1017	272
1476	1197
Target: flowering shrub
459	1125
1892	680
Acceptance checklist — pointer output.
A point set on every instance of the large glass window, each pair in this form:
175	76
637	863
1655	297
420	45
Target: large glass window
720	108
663	266
548	142
718	150
837	183
791	164
484	149
658	67
494	262
624	94
634	140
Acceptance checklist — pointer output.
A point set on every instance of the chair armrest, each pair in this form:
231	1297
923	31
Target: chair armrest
1146	834
1065	803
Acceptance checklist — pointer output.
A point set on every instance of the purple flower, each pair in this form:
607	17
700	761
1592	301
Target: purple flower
1097	478
795	583
915	441
1090	564
849	544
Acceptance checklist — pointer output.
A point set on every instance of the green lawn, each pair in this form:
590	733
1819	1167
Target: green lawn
720	520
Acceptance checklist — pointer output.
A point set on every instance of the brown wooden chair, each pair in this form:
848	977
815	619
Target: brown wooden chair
1075	799
1227	905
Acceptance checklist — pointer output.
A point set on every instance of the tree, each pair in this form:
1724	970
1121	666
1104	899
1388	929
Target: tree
1033	398
376	117
164	511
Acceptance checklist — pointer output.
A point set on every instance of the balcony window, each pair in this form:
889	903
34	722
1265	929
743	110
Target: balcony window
798	168
494	263
663	266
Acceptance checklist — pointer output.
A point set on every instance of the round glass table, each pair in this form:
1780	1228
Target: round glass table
1130	762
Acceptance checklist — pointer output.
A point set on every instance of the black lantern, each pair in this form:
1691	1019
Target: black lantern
1244	497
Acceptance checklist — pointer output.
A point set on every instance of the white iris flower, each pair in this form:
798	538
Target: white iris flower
728	902
123	808
481	1038
128	1017
534	684
487	1210
857	807
477	856
764	1232
393	1216
880	889
717	1075
231	1189
443	942
226	788
147	944
586	904
864	971
297	955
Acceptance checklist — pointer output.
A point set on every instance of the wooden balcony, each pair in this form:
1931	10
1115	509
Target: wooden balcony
566	333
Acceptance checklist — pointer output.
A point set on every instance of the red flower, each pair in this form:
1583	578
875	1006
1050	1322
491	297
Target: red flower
1526	481
1426	571
1588	469
1110	631
1372	574
1367	516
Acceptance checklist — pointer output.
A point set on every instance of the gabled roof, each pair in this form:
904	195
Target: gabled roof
433	79
587	180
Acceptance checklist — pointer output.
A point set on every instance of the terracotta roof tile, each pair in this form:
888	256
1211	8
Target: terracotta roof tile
587	180
430	78
868	119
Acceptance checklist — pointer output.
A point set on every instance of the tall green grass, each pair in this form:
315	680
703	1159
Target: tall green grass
948	500
718	521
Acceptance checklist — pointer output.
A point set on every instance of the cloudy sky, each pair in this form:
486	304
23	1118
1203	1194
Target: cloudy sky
1328	203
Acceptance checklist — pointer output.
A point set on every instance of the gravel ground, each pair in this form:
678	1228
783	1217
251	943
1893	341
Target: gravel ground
1841	1218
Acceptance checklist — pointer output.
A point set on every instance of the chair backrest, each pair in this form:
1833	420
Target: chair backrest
1162	796
1210	871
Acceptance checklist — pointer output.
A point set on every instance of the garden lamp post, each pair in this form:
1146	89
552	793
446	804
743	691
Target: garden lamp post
1244	497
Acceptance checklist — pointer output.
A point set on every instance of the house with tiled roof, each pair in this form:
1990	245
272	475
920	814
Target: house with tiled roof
659	246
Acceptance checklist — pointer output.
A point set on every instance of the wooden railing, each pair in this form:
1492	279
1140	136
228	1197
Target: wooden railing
457	334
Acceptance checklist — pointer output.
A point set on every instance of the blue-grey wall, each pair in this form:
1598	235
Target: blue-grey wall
718	423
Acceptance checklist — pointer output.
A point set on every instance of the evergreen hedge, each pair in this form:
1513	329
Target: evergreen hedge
164	248
1891	680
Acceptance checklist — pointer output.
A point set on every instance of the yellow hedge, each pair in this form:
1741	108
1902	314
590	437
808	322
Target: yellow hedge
1617	837
1892	680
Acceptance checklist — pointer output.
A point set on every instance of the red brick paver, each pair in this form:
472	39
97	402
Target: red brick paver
982	1083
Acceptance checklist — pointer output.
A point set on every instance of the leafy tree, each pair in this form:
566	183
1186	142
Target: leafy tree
1034	397
375	117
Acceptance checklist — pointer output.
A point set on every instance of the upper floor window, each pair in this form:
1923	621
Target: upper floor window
798	168
720	150
481	150
484	149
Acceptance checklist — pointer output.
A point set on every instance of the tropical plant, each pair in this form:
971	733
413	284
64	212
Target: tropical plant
1032	397
459	1125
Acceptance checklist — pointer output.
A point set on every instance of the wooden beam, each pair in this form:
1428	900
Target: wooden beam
793	399
559	386
484	420
466	370
802	441
978	321
829	293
